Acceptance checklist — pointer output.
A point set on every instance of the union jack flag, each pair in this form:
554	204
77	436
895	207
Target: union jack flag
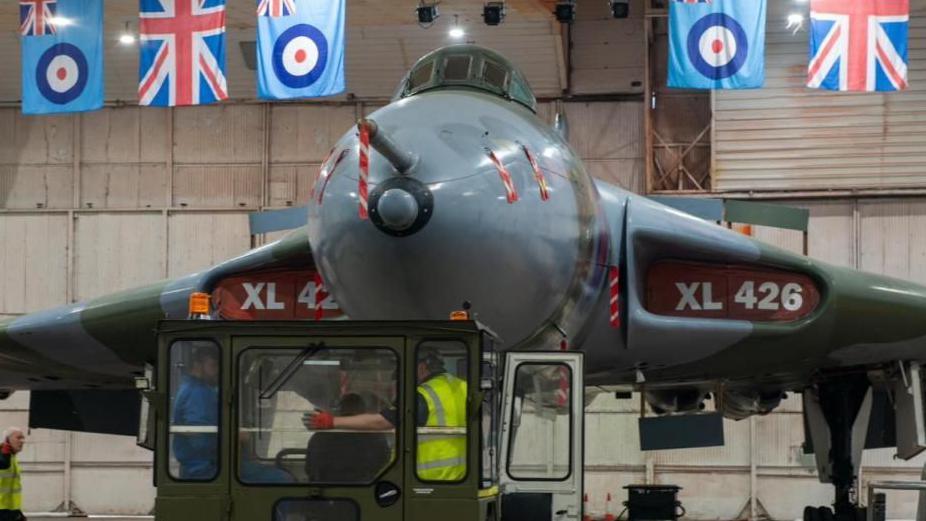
35	17
858	45
182	52
276	8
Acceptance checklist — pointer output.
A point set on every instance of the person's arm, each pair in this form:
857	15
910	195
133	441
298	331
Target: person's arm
324	420
6	456
363	422
421	414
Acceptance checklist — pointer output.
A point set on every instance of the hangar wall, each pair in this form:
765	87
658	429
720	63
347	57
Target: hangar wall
787	137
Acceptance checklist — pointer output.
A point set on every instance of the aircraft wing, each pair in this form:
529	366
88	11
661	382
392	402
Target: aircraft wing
700	303
104	342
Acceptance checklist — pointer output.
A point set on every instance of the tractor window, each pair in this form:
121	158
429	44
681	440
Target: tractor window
316	415
541	423
195	378
440	412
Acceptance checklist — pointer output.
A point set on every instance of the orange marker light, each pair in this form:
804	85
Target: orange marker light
199	303
459	315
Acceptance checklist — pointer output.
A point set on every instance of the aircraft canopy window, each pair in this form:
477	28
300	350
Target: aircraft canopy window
281	389
467	66
456	68
495	75
421	75
194	410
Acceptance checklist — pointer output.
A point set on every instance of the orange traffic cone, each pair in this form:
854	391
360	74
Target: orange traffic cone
608	514
586	509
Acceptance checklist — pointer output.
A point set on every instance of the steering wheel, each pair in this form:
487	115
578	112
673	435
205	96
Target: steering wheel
279	461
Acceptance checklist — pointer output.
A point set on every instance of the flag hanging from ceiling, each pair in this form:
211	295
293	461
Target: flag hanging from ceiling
182	52
276	7
717	45
858	45
62	55
300	48
34	16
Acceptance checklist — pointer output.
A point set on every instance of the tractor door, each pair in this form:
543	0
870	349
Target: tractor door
542	437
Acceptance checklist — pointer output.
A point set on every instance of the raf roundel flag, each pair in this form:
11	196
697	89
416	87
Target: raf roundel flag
62	55
300	48
717	45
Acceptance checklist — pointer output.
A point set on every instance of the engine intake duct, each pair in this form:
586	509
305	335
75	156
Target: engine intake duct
737	405
676	400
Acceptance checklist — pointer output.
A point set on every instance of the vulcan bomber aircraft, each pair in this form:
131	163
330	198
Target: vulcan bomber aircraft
458	192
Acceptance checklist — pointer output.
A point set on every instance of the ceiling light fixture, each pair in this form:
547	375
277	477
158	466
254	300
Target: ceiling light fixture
127	37
60	21
565	11
620	8
427	13
493	13
456	32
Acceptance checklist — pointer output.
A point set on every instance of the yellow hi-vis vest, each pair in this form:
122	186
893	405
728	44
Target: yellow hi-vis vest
11	489
442	456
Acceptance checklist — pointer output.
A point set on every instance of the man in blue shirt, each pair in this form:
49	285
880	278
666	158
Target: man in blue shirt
196	416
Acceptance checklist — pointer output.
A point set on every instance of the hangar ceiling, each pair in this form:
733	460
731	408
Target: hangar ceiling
383	40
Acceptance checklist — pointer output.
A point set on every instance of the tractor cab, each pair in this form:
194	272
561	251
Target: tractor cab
340	421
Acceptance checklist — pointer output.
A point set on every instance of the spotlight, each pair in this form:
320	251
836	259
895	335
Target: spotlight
127	37
565	12
456	32
493	13
427	13
60	21
620	8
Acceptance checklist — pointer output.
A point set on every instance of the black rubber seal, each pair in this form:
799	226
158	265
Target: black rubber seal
417	189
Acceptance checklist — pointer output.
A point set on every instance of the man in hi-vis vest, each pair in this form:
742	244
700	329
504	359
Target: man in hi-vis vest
11	489
441	420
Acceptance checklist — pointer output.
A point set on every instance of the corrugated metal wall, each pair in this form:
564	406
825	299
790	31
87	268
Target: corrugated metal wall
607	54
787	137
113	199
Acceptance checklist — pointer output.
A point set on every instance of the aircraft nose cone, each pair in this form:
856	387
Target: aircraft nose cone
401	206
398	209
